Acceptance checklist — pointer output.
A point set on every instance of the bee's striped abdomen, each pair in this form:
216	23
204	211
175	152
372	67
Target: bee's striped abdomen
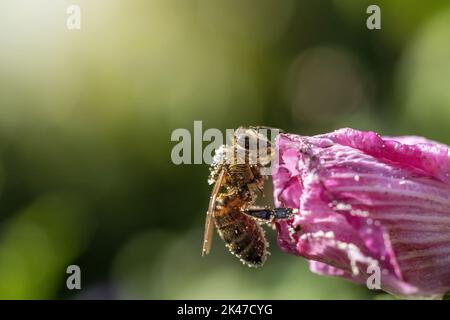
241	234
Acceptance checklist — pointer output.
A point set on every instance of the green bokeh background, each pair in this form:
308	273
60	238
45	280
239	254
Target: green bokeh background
86	117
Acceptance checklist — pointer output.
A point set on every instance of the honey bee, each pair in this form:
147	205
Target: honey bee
237	175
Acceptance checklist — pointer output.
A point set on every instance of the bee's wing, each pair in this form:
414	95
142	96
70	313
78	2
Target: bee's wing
209	223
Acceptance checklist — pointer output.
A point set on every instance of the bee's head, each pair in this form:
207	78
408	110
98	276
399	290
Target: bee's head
255	141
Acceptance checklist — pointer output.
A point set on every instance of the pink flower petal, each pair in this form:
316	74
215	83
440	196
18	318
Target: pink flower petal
366	201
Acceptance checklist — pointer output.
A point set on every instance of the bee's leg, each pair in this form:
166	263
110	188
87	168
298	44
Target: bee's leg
269	214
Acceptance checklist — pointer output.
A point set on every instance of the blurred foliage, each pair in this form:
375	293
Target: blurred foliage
86	116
